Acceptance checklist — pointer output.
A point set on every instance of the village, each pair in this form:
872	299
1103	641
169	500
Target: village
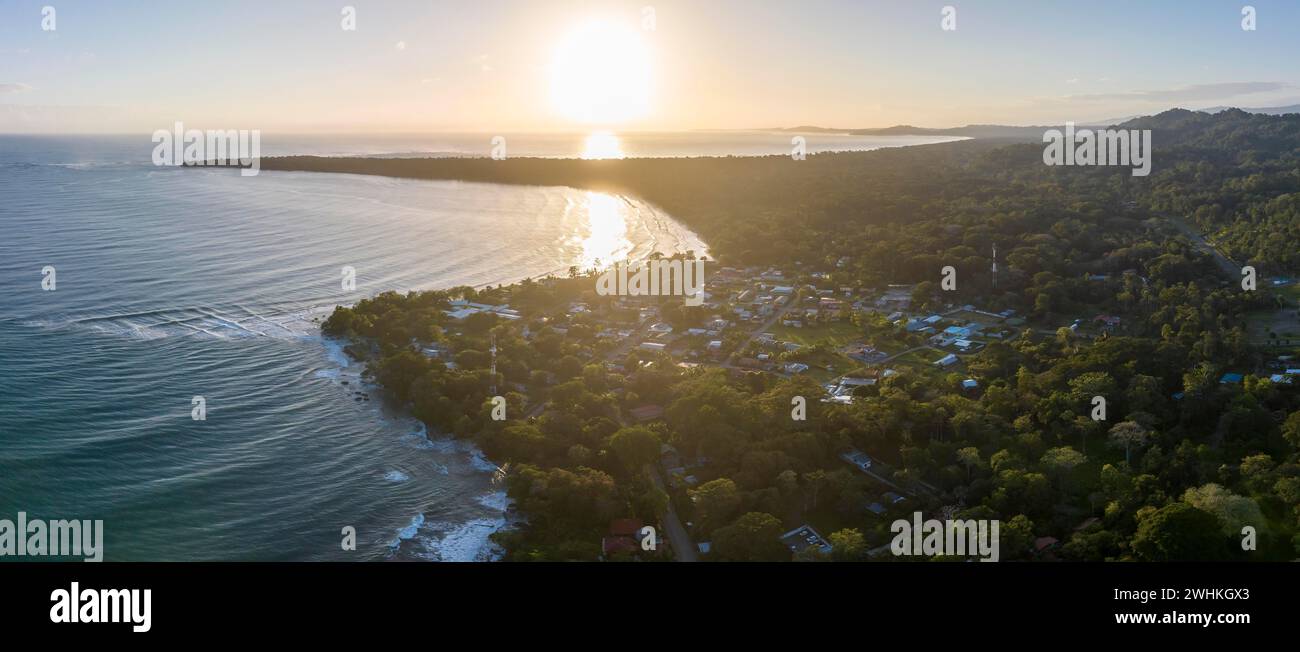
790	324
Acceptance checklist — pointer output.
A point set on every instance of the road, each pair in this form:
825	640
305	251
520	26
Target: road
773	320
683	548
1233	270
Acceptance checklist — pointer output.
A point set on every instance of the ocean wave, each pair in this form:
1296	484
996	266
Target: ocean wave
197	321
497	501
408	532
460	542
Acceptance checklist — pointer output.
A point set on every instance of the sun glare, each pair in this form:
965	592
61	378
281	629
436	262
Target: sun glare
601	74
602	144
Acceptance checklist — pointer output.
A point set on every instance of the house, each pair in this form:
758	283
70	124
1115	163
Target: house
803	538
947	360
847	384
857	458
969	384
1043	546
831	308
1107	322
652	346
624	527
622	537
1231	379
461	314
614	545
796	368
867	353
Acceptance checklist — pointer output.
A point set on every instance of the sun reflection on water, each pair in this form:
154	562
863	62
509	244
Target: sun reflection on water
606	241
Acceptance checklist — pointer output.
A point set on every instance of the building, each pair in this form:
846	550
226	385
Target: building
857	458
946	361
803	538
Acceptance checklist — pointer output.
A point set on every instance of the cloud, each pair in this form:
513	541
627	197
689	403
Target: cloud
13	87
401	45
1193	93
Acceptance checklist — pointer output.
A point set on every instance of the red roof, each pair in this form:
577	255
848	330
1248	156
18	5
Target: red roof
624	527
610	545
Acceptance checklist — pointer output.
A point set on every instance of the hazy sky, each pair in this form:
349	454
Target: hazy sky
489	65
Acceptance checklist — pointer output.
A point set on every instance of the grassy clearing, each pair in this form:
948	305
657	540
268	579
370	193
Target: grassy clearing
836	334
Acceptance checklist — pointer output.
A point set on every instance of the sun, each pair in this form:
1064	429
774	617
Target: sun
601	74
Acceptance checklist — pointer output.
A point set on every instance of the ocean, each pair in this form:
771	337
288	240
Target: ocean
171	284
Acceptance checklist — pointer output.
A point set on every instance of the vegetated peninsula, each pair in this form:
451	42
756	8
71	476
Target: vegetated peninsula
979	402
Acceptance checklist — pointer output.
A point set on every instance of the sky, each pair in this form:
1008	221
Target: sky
573	65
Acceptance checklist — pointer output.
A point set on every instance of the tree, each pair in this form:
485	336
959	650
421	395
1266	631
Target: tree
1232	510
715	503
635	446
1291	429
848	545
756	536
1129	435
1062	461
970	458
1179	532
1016	537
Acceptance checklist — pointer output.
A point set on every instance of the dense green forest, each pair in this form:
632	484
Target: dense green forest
1179	466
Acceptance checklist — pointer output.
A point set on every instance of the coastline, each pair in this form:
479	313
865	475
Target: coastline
473	540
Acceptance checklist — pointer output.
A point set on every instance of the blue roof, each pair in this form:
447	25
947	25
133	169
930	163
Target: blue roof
1231	378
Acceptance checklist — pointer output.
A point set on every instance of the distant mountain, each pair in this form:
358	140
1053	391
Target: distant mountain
1033	133
1271	110
1231	133
1004	132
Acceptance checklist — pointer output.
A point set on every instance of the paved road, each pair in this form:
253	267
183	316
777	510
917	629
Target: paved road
1230	268
683	548
774	319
